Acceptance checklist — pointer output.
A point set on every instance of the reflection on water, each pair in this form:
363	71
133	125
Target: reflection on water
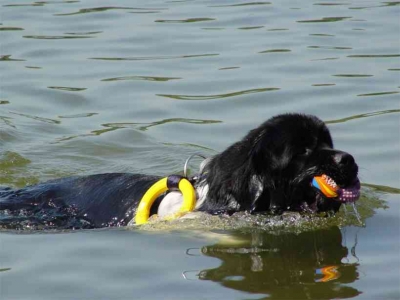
366	115
250	27
137	126
383	4
154	57
275	50
11	165
191	20
353	75
10	28
82	115
41	119
383	188
56	37
287	266
323	20
98	9
69	89
146	78
146	126
243	4
218	96
379	94
374	55
5	269
8	58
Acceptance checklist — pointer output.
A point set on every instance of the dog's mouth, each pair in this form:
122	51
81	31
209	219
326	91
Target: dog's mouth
327	186
329	195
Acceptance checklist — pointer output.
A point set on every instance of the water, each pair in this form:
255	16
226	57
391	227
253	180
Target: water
137	86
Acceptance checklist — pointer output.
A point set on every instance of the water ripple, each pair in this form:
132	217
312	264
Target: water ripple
250	27
329	48
326	58
56	37
229	68
155	57
242	4
374	55
42	3
278	29
352	75
65	88
8	58
385	4
382	188
366	115
11	28
275	50
190	20
109	127
322	34
330	4
218	96
82	115
84	33
145	12
7	121
327	19
146	78
378	94
146	126
106	8
5	269
213	28
41	119
324	84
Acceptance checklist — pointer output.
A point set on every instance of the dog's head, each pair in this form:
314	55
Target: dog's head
287	152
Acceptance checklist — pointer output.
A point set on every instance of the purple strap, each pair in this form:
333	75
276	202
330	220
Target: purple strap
350	194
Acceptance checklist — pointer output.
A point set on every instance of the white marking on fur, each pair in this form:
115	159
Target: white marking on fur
201	192
170	204
173	201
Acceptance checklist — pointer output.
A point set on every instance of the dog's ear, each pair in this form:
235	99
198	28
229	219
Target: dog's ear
269	151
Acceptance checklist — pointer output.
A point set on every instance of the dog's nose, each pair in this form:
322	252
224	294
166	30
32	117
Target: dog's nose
343	159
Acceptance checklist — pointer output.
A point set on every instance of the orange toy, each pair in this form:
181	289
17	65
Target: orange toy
326	185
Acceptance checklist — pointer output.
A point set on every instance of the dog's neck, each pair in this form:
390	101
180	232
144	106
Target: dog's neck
173	200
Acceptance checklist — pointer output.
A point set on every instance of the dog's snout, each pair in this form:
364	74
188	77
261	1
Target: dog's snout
343	159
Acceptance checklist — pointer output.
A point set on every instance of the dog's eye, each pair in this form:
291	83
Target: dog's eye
304	152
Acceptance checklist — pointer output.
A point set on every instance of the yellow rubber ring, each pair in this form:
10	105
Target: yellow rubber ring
186	188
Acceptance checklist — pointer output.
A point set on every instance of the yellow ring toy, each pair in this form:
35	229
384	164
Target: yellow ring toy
161	186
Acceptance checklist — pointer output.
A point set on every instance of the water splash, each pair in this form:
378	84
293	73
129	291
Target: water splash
289	222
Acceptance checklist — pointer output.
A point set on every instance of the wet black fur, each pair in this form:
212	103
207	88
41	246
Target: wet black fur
100	200
270	169
282	156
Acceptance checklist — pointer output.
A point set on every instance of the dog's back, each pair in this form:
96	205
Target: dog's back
89	201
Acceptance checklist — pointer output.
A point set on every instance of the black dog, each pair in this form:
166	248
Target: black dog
270	169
